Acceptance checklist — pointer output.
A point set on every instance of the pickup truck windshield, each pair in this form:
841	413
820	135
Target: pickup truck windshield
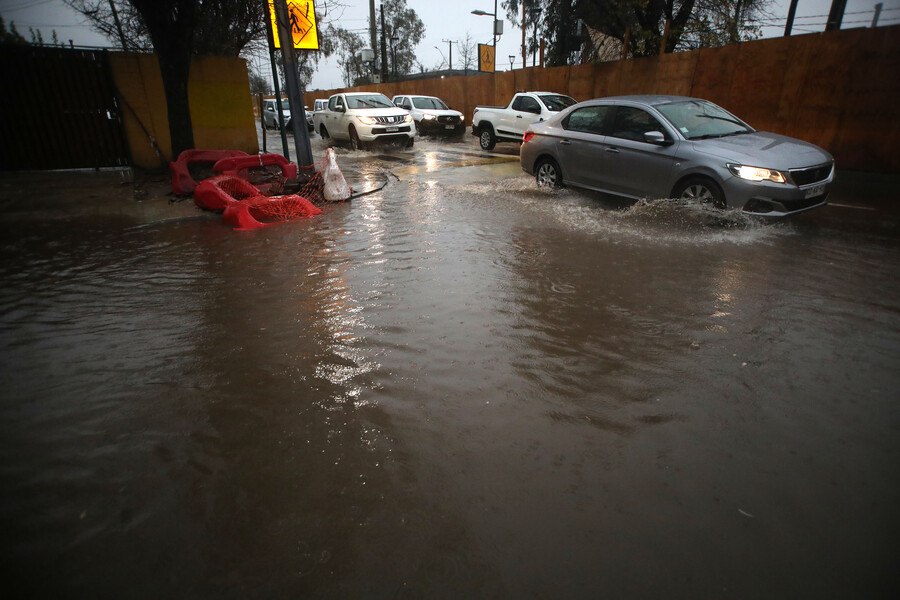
556	102
700	120
369	101
426	103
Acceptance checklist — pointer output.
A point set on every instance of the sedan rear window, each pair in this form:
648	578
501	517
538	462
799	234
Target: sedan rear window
588	119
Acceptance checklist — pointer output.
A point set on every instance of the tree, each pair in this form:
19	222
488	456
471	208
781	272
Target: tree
403	23
259	84
348	46
177	29
11	36
692	23
468	53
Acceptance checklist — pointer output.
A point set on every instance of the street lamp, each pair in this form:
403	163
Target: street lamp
394	40
482	13
512	59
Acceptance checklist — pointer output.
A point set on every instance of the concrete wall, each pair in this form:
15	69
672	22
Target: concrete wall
836	89
221	106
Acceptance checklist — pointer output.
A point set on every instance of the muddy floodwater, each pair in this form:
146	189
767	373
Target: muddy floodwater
459	386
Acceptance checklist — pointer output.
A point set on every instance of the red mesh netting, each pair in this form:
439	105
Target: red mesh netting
246	207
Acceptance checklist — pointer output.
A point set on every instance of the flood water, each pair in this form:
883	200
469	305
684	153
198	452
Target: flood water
459	386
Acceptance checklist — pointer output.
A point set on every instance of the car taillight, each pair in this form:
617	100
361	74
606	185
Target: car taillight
528	135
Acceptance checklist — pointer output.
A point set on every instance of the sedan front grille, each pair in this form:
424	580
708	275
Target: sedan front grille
811	175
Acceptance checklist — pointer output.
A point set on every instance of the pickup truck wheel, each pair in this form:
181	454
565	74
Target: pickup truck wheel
323	131
487	139
355	142
548	174
410	142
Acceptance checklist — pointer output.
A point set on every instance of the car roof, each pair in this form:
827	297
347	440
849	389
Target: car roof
648	99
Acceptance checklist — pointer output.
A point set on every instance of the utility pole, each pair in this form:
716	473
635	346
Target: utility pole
790	18
294	86
271	35
450	44
836	15
373	28
384	72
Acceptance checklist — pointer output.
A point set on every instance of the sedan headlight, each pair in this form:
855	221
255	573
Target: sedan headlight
756	173
367	120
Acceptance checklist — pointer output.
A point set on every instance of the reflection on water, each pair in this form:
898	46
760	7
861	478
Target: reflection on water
444	390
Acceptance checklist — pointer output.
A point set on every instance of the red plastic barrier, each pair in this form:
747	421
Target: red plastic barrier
245	214
216	193
238	165
182	182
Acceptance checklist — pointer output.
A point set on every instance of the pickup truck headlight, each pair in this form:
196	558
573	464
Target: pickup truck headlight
367	120
428	117
408	118
756	173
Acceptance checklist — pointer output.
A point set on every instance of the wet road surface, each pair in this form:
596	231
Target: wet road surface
459	386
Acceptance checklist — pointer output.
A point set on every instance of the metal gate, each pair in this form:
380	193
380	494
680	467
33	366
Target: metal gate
58	110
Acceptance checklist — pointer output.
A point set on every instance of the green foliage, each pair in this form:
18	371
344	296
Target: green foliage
403	23
692	24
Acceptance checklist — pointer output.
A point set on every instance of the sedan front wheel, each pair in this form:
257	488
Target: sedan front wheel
701	189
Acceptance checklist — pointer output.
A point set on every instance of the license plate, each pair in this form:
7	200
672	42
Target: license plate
815	191
390	129
449	126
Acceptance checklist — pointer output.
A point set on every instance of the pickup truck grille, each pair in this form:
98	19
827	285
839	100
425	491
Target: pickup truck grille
448	120
390	120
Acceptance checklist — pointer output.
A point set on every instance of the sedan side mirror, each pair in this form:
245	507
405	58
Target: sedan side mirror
656	137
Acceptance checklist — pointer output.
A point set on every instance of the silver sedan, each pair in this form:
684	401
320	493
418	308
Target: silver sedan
677	147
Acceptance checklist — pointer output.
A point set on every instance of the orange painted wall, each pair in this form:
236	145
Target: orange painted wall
837	89
221	106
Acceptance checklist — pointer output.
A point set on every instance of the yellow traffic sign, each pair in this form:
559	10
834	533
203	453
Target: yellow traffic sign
302	17
486	58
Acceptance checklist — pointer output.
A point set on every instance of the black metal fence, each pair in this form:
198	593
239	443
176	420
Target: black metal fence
58	110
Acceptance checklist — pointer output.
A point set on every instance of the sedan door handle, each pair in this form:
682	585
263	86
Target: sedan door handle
612	150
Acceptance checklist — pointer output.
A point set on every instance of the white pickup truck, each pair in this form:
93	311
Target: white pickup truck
492	124
362	118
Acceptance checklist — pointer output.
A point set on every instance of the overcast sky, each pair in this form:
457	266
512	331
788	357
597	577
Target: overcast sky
443	21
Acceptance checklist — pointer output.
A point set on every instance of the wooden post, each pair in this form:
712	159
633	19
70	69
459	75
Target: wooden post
626	42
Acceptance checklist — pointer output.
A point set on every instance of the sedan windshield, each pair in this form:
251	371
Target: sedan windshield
369	101
700	120
432	103
556	102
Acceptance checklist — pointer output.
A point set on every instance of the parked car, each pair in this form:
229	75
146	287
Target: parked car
270	114
432	115
677	147
364	117
320	104
492	124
